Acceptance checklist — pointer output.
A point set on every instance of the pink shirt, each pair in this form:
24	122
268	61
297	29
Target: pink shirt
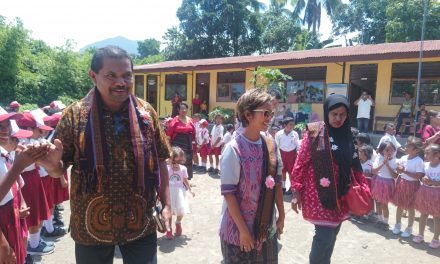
429	131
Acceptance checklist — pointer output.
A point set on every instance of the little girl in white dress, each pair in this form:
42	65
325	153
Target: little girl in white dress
178	181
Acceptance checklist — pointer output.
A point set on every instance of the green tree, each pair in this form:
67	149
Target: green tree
210	28
405	20
279	31
312	11
308	40
379	21
148	47
366	17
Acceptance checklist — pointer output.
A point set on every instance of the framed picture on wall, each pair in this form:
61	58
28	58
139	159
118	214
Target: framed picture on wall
337	88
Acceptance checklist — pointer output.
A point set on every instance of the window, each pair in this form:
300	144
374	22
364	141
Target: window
139	86
404	79
175	83
230	86
307	84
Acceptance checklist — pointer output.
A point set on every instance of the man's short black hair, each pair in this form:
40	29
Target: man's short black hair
112	52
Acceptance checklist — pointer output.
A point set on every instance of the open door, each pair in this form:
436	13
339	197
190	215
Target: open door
202	86
363	77
152	90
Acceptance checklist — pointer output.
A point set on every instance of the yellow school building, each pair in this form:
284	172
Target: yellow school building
385	71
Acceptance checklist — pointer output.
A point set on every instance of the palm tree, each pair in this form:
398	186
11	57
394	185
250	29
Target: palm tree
312	11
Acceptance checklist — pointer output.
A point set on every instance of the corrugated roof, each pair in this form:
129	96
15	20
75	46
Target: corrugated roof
401	50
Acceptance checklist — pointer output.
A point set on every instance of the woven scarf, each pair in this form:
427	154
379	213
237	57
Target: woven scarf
94	152
266	205
322	160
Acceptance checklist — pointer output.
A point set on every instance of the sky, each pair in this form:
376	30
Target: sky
88	21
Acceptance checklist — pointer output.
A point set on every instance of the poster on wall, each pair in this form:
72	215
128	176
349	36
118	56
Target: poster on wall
337	88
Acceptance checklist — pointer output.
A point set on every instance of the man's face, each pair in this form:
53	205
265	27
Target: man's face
364	96
114	81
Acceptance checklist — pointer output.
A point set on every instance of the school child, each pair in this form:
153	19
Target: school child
204	108
203	145
178	185
390	132
248	230
411	169
367	159
34	192
288	142
61	184
12	206
216	144
428	196
196	121
228	135
383	189
273	131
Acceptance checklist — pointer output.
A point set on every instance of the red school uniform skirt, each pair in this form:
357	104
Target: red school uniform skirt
288	159
47	182
11	227
35	197
204	151
61	194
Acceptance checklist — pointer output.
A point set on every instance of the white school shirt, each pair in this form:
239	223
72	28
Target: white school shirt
433	173
203	136
412	165
391	138
384	172
217	133
287	142
3	170
367	166
364	108
227	138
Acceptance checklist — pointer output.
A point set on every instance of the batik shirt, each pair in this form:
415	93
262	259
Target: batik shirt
120	173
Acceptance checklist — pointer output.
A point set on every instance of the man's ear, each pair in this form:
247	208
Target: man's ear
92	75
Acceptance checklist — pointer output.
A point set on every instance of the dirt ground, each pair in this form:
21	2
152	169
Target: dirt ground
357	242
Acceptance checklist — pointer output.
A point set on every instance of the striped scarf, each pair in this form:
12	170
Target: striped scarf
94	152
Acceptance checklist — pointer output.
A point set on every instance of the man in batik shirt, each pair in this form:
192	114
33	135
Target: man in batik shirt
118	152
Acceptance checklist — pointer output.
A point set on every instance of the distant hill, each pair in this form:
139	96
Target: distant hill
129	45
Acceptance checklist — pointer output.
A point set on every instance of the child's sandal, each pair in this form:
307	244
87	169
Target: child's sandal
434	244
418	239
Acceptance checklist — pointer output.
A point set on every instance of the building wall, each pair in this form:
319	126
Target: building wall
334	74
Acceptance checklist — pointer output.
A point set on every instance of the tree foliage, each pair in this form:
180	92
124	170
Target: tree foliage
313	10
379	21
148	47
32	72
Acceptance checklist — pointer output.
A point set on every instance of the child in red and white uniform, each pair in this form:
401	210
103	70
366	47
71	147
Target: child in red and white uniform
428	196
61	184
411	169
288	142
203	145
366	157
383	189
12	205
34	192
196	120
216	144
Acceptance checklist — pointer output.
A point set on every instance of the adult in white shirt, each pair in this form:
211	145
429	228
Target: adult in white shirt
364	104
288	142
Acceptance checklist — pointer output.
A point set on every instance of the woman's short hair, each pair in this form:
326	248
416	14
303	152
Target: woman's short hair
433	147
250	101
432	113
